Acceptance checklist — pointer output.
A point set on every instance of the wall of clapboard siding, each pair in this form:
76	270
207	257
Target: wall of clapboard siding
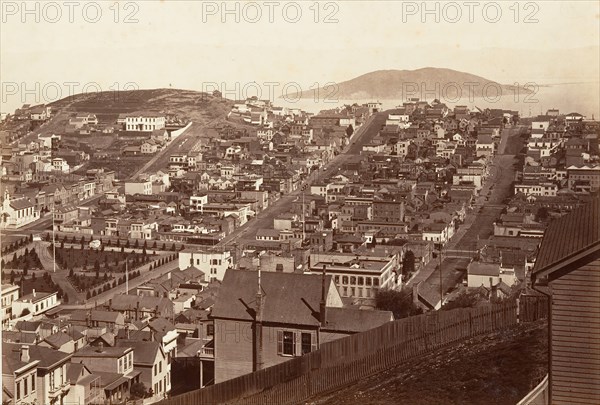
575	364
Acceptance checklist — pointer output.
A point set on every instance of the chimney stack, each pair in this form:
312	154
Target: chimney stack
323	304
33	293
25	354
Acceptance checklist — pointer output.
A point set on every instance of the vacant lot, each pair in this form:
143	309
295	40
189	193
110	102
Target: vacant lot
498	368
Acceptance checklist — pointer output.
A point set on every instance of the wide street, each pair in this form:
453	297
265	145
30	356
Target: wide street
478	224
264	219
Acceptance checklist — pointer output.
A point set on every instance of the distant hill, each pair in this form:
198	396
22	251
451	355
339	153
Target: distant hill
107	105
392	84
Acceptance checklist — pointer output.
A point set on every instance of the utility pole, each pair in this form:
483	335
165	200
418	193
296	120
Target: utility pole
53	240
441	287
126	276
303	220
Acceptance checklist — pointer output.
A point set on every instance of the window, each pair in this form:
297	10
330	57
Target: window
352	280
160	366
368	281
307	343
18	390
360	281
25	387
286	343
32	382
155	369
279	267
345	280
337	279
210	330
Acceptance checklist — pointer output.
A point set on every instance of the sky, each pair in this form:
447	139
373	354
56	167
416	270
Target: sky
50	49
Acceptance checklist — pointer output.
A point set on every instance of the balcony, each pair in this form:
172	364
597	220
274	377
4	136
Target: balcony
207	351
58	390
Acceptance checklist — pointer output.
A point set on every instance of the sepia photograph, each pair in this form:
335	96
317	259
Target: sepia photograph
310	202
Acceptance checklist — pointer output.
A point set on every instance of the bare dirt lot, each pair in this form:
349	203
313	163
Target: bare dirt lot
498	368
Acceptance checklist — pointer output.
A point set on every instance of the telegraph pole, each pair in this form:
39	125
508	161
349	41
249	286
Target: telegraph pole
441	287
53	240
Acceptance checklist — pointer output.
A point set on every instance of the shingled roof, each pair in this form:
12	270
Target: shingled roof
288	297
570	236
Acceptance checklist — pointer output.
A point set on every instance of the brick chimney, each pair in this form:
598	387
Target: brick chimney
25	354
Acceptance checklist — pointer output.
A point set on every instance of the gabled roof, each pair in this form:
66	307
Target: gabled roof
144	352
56	340
288	297
47	357
569	237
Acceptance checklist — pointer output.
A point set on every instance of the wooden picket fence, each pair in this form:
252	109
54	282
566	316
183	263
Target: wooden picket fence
344	361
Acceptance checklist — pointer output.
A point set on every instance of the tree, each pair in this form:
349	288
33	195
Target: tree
122	249
32	276
118	242
71	272
136	244
349	131
173	248
25	268
31	238
400	303
541	214
105	276
12	277
466	299
164	246
26	252
138	390
408	263
154	245
62	245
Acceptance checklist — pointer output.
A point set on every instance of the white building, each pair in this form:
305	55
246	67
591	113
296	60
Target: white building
140	186
36	303
540	189
144	122
60	165
197	202
17	212
10	293
214	263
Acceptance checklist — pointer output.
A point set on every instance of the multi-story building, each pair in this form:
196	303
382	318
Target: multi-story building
361	274
10	293
213	262
139	186
35	303
293	315
144	121
19	375
116	366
